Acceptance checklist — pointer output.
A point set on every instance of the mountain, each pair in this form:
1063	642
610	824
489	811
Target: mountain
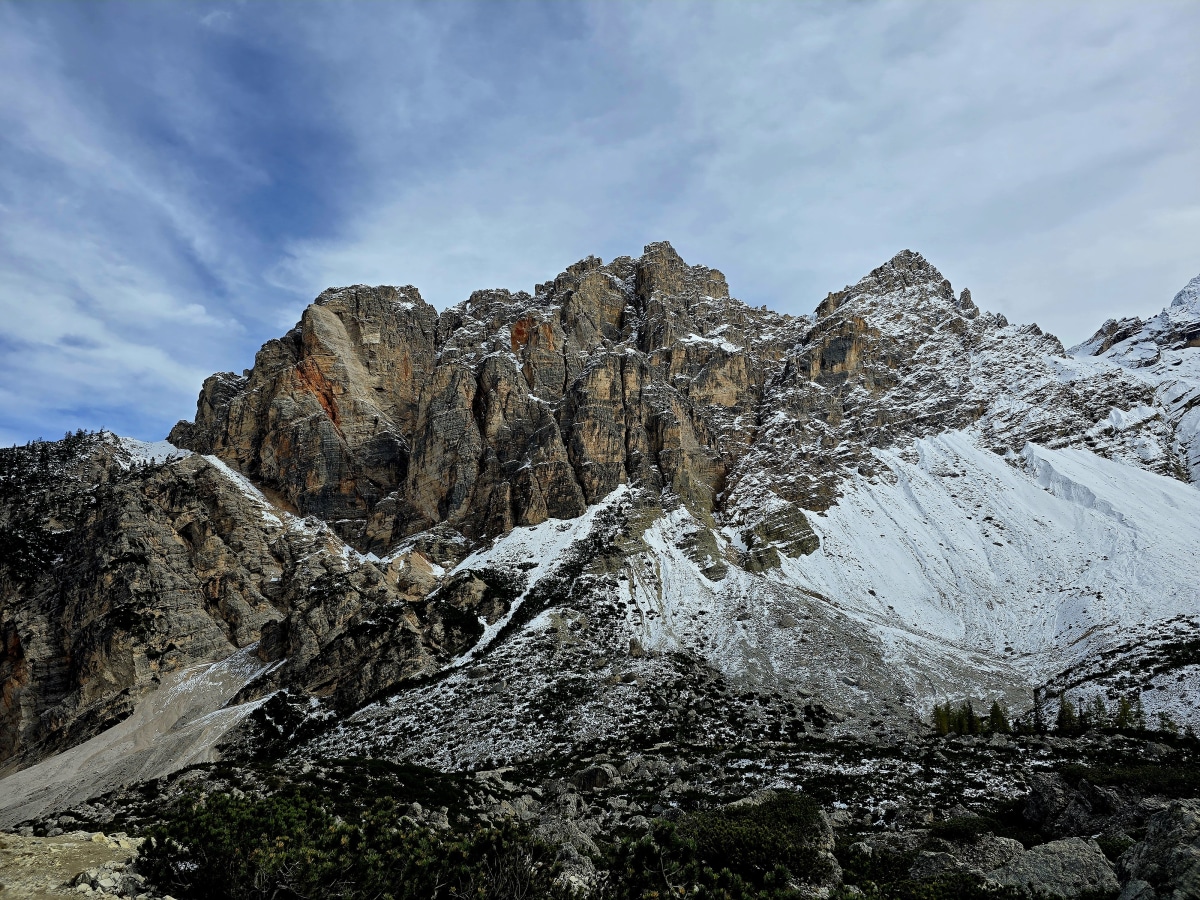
624	508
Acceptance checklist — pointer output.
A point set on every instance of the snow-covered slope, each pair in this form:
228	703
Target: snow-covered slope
952	572
1162	352
1026	555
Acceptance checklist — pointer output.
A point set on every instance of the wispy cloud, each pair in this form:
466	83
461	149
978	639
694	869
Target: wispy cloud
177	181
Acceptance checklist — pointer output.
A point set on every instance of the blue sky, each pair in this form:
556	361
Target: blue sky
177	181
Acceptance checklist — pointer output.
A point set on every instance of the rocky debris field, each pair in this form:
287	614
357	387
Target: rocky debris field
1089	816
70	863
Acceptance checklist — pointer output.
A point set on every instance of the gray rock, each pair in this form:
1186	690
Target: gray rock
1136	889
933	864
1067	869
990	852
1168	858
597	777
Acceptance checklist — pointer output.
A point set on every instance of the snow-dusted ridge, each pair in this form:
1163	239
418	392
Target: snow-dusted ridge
536	550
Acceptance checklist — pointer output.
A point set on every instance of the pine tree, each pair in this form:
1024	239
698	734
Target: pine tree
970	720
941	718
997	721
1139	714
1099	712
1167	723
1124	717
1068	721
1039	713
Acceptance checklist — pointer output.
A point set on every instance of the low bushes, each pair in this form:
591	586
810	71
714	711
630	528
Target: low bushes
760	852
290	847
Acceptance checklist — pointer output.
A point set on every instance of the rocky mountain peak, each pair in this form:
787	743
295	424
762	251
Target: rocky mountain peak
908	275
621	508
1139	343
1189	296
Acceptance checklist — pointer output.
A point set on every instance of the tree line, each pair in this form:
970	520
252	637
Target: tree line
1072	719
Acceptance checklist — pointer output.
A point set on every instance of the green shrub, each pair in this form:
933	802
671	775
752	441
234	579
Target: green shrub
1169	780
291	847
966	828
760	852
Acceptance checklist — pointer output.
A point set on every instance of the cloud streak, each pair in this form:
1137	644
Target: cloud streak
177	181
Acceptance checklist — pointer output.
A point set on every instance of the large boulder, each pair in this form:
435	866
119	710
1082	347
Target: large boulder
1166	864
984	854
1063	869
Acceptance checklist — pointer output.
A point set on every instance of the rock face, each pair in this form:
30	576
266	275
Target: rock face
533	503
1069	868
1167	863
380	415
127	575
385	418
121	570
1160	352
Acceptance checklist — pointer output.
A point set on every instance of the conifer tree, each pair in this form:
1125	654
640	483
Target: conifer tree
1068	721
970	720
1139	714
941	718
997	721
1123	720
1039	713
1099	712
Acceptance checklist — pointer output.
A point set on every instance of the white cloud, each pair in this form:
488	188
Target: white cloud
247	157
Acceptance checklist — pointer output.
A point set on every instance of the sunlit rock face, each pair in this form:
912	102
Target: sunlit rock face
853	514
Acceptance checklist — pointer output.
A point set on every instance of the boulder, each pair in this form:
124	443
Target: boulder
595	778
1168	859
1067	869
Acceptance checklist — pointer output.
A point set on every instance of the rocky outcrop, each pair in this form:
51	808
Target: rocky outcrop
385	418
1065	869
151	570
1166	864
130	571
1157	352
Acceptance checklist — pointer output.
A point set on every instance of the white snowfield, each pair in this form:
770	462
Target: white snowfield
965	573
1038	558
154	452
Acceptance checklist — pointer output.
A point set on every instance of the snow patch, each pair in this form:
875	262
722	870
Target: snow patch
149	452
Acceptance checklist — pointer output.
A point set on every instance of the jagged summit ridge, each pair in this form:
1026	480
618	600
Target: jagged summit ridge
907	274
385	417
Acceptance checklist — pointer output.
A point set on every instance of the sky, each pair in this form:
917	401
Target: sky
178	181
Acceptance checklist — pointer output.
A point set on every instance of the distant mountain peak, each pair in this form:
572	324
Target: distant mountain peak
907	273
1189	297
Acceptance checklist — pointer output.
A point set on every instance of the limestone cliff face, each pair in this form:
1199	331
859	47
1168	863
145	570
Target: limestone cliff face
335	488
385	418
116	572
